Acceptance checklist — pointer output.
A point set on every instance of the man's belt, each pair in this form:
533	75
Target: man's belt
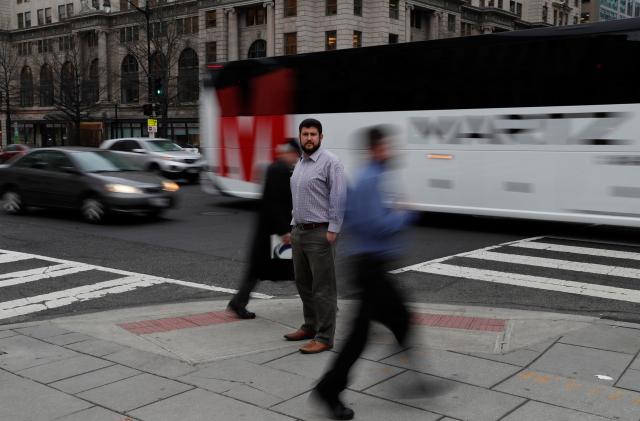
311	226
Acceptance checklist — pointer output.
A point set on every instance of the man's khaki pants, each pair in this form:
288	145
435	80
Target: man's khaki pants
313	262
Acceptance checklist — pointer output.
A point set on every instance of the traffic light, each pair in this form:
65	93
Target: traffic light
157	109
159	86
147	109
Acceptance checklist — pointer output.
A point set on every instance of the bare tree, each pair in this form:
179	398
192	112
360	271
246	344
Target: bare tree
77	82
156	45
9	89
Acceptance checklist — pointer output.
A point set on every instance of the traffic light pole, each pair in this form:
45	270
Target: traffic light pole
147	14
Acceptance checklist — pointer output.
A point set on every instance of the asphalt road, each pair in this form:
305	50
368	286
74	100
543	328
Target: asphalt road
204	241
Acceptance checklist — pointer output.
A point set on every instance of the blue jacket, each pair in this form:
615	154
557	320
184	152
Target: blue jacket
373	226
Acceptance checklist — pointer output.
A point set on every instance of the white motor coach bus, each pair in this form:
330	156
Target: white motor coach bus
540	124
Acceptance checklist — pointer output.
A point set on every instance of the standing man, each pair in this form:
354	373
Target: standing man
373	228
319	191
274	217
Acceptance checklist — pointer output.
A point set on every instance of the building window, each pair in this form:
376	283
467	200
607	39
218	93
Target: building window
125	5
187	26
92	39
357	7
67	84
416	19
331	7
256	16
519	9
210	18
512	6
545	13
258	49
291	43
27	19
66	43
26	87
69	10
555	17
62	12
451	23
46	86
575	20
357	39
130	89
500	4
211	53
330	40
91	86
129	34
20	20
394	9
40	17
188	78
393	38
47	15
290	8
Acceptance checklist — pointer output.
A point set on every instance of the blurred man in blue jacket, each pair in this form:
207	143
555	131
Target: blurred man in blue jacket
373	228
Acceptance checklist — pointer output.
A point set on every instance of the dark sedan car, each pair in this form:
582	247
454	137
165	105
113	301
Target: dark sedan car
13	150
94	181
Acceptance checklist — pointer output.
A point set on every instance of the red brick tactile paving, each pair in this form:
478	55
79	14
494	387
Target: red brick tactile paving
458	322
175	323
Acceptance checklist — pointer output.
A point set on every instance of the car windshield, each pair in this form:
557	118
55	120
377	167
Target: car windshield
104	161
163	146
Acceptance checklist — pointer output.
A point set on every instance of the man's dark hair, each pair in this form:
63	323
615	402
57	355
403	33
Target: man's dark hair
376	136
310	122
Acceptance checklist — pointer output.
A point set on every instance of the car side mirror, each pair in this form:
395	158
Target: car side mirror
138	151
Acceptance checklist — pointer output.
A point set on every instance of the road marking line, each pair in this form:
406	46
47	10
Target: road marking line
37	271
557	264
207	287
529	281
10	257
466	253
579	250
46	275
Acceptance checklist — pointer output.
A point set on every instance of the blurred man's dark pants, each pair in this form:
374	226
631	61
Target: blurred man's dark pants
313	262
381	302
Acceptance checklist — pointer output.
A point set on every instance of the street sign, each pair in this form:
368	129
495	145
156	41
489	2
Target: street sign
152	129
152	122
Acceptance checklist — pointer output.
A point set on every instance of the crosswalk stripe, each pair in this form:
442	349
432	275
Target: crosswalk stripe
36	271
61	298
13	257
44	275
557	264
578	250
516	279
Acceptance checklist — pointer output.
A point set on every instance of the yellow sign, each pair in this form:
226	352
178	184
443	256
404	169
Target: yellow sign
152	122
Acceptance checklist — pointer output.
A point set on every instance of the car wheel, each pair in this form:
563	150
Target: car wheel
155	168
93	210
12	202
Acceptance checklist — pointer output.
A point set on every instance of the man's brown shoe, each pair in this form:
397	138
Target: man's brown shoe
315	347
300	335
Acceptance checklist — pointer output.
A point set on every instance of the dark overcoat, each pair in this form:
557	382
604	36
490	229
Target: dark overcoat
274	217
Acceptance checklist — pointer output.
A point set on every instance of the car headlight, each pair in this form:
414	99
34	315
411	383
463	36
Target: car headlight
122	188
170	186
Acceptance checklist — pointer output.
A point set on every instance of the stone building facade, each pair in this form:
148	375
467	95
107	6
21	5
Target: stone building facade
217	31
597	10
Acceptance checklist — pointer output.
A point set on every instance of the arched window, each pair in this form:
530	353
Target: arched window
91	86
258	49
188	76
26	87
159	75
46	86
129	85
67	84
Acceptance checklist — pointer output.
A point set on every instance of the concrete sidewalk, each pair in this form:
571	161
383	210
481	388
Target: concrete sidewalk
193	362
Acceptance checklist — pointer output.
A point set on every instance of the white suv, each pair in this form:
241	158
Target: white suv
159	155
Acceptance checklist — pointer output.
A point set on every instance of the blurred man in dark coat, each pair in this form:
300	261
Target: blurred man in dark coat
274	217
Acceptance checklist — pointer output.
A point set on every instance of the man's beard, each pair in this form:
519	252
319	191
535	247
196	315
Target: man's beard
311	151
